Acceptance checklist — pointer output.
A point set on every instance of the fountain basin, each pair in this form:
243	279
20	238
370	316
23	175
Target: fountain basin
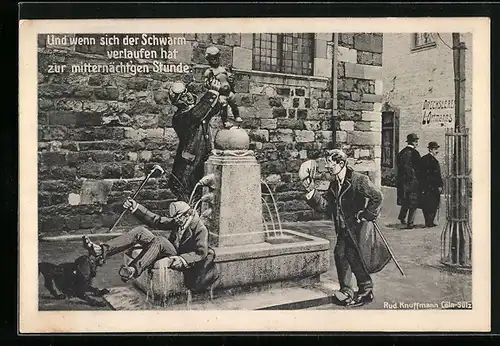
292	259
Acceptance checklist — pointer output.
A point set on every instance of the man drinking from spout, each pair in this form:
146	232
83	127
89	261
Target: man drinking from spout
186	248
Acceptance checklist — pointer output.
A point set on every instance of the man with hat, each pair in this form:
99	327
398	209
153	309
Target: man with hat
408	173
186	247
353	202
431	184
191	123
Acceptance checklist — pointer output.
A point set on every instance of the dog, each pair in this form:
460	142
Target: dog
73	279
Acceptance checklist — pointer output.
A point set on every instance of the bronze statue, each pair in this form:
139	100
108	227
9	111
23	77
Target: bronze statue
226	89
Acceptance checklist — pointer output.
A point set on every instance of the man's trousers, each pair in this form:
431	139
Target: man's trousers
153	247
348	262
411	215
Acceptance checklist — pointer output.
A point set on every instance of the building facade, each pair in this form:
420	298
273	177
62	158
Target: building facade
418	80
99	133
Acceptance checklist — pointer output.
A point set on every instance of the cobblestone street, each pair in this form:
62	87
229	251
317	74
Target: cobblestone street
417	251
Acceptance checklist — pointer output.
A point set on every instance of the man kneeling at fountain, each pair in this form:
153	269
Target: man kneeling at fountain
186	248
354	202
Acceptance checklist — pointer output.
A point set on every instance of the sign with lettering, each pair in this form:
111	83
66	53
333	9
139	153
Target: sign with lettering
438	113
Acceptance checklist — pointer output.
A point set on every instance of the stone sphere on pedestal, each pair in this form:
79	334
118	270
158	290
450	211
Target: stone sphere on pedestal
232	139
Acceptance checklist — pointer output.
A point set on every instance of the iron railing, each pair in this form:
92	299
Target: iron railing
456	238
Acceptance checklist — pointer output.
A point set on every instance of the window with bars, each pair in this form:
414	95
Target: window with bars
286	53
422	40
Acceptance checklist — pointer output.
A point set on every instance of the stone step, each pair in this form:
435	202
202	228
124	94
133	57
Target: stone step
289	298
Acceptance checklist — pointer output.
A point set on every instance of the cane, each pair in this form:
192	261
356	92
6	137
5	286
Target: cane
389	249
155	170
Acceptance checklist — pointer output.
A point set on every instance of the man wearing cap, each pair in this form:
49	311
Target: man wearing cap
407	183
431	184
354	202
186	247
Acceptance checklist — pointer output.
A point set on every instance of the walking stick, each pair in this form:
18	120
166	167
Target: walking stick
155	170
389	249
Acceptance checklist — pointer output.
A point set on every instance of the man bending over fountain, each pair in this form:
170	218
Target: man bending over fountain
345	200
186	248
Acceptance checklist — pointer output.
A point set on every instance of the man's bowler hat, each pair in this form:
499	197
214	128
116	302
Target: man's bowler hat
412	137
433	145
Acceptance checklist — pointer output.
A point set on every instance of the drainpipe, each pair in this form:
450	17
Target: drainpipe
334	87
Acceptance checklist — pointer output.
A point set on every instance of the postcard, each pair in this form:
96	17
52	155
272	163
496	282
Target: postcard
256	174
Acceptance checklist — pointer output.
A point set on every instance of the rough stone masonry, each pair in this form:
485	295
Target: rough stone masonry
99	134
360	96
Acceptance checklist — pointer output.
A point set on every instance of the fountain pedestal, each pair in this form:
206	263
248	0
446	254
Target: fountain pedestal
246	257
236	217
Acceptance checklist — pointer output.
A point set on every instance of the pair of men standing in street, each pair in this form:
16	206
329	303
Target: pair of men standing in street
419	183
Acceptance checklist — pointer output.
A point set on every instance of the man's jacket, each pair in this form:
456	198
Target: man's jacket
408	175
195	144
430	182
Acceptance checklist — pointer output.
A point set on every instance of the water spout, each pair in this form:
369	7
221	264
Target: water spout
208	180
275	206
209	197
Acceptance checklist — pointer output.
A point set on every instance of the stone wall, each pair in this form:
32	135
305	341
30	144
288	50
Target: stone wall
360	101
100	133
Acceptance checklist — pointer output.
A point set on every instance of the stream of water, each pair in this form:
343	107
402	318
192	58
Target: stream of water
280	233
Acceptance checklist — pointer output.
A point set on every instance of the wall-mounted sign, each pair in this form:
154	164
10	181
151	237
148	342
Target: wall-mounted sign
438	113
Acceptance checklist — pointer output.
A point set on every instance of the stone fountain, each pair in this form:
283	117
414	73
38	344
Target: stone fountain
249	256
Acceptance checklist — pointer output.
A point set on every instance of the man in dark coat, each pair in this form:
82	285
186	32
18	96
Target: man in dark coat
186	246
191	124
431	184
408	172
354	202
